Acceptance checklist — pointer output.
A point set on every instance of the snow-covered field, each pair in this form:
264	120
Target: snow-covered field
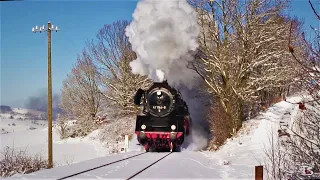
27	135
236	159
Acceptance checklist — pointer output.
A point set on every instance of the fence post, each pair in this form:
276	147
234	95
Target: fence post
126	143
259	173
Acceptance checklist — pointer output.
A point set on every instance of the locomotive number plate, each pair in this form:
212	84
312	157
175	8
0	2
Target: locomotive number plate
159	107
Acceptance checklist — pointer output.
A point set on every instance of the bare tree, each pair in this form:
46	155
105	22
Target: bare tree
113	53
303	146
243	52
80	93
276	158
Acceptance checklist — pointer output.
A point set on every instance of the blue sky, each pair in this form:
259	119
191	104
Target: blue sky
24	54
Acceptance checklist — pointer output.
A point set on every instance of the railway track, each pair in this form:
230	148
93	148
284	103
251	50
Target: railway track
107	164
148	166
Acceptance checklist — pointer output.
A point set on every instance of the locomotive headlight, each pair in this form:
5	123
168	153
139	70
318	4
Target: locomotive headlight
143	126
158	93
173	127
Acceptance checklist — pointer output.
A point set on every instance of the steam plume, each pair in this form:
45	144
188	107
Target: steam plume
164	36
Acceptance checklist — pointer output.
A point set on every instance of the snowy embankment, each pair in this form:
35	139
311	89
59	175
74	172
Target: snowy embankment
238	157
32	136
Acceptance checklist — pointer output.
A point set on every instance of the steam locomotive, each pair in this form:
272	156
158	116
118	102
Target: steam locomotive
165	119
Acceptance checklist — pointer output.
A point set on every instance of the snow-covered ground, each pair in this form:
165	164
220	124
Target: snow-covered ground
247	150
32	136
236	159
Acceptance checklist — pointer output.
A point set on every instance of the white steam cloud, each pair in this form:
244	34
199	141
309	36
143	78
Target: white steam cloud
164	36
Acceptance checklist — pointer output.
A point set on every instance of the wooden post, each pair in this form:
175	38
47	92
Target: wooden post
49	99
259	173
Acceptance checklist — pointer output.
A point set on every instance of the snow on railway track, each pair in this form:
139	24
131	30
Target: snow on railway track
92	171
123	166
104	165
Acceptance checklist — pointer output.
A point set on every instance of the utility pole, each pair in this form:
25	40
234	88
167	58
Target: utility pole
49	28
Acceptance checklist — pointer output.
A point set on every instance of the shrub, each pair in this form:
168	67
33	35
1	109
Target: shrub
115	132
220	126
82	127
13	162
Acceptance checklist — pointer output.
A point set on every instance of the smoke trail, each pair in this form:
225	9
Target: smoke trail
199	104
164	36
40	102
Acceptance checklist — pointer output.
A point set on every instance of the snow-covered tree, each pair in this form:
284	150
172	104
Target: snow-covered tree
112	51
80	94
243	52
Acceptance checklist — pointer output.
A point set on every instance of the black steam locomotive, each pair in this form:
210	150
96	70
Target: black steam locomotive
165	119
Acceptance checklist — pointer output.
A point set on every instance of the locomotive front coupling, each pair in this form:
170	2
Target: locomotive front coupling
173	136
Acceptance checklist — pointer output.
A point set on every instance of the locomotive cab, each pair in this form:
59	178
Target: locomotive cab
165	118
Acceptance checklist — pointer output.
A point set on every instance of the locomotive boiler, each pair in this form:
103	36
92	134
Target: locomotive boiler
164	120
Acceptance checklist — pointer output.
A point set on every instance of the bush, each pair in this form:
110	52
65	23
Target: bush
220	126
61	127
276	158
115	132
297	145
13	162
80	128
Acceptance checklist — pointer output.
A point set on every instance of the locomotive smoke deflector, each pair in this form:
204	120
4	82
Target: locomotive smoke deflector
138	96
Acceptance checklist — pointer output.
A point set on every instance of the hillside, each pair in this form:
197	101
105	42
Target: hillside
5	109
8	112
